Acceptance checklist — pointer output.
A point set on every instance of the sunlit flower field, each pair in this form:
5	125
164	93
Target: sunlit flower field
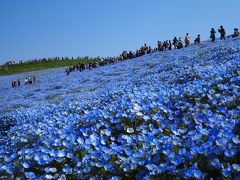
163	115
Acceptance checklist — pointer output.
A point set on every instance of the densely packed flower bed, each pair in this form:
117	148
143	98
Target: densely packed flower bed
172	114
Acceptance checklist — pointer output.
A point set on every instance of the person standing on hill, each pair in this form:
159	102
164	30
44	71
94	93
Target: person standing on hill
180	43
212	36
145	49
197	40
19	83
170	45
25	81
222	32
175	42
12	83
187	40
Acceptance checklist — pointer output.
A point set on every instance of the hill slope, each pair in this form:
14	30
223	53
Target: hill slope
164	114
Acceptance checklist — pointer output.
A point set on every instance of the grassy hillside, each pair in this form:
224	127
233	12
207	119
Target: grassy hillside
26	67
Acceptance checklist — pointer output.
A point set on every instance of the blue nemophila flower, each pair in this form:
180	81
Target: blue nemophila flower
50	170
236	167
80	140
236	140
127	138
49	176
10	158
152	167
227	171
215	163
119	127
115	178
221	141
46	158
62	177
25	165
30	175
197	174
137	108
86	169
67	169
204	132
128	151
230	152
61	153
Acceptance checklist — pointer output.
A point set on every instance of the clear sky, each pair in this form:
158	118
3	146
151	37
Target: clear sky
47	28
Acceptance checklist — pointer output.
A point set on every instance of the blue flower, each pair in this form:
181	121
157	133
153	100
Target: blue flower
221	142
30	175
236	167
86	169
227	171
67	169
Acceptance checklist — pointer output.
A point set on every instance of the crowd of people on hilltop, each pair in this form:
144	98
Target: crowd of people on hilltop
94	63
167	45
223	33
176	43
27	80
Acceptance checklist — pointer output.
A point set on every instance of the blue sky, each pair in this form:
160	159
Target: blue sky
47	28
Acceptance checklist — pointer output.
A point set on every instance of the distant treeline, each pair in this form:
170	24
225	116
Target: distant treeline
34	61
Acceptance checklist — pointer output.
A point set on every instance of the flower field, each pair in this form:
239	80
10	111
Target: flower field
164	115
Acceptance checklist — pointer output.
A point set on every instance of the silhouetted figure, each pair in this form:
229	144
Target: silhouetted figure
19	83
160	46
187	40
145	49
124	55
29	80
130	55
175	42
180	43
212	36
149	49
82	67
197	40
222	32
165	45
170	45
14	83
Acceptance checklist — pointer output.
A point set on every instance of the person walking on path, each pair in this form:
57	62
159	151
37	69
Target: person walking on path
222	32
212	36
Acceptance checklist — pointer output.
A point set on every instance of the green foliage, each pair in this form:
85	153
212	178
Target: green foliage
26	67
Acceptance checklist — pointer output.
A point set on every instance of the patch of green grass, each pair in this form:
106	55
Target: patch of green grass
27	67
